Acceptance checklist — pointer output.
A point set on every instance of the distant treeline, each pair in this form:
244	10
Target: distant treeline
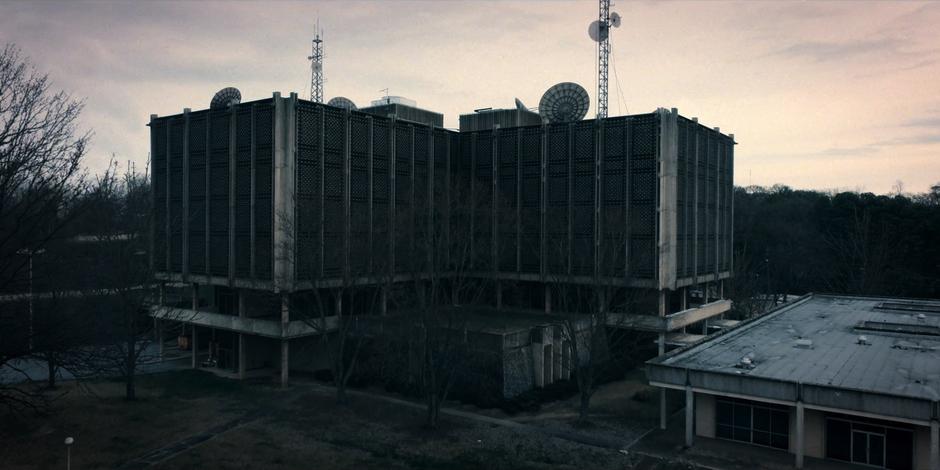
794	241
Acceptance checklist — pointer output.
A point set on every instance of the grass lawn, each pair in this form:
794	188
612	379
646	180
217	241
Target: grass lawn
299	428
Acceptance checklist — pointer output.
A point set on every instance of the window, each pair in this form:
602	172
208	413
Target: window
869	442
753	422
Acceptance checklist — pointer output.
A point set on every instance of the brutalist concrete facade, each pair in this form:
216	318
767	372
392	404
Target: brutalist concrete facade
282	196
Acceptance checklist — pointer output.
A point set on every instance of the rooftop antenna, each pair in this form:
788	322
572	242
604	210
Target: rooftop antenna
600	32
385	90
316	67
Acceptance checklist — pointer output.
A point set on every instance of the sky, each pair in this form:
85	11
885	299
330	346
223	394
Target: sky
833	95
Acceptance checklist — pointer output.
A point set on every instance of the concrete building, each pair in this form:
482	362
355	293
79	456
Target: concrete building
263	204
830	377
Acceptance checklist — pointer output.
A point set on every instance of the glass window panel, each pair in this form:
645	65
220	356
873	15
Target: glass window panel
723	431
838	439
876	449
780	441
723	412
762	438
859	447
742	415
780	422
761	419
742	434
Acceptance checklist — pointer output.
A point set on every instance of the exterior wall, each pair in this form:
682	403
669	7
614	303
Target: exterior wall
705	415
814	437
287	194
922	448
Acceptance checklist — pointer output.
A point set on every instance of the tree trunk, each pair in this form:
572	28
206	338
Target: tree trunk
434	407
50	361
585	407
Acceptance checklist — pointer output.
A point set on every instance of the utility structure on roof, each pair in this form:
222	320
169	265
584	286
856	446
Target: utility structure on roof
600	32
316	67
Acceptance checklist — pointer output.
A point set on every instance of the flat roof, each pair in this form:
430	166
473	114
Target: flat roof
814	341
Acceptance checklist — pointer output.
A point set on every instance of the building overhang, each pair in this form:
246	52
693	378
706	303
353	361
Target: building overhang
670	322
252	326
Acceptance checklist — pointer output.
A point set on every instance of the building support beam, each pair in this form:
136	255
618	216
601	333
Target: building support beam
662	391
194	343
285	343
689	415
800	434
194	346
934	445
499	295
158	328
242	313
548	299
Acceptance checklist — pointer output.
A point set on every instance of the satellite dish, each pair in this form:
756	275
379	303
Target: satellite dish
342	102
597	31
520	106
225	98
564	102
615	19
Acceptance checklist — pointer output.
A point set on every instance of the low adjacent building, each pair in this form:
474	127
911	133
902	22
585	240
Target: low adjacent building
851	379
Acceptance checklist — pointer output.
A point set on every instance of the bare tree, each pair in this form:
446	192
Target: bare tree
41	154
124	288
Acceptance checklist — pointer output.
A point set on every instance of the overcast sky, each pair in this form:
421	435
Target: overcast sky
823	95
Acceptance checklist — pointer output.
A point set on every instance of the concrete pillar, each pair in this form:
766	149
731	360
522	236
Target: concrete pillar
242	366
161	301
548	299
339	304
158	326
242	313
689	416
663	307
499	295
384	301
934	445
195	296
800	435
285	321
661	348
285	361
194	346
685	299
538	364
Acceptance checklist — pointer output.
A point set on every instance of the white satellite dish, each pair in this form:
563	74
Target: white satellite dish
225	98
597	31
342	102
564	102
615	19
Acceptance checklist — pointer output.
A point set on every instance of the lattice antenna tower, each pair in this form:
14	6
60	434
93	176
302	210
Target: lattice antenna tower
603	54
316	66
600	33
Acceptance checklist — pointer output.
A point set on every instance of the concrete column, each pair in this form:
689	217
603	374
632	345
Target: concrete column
194	346
685	299
548	299
158	325
162	298
934	445
689	416
800	435
285	357
242	313
499	295
661	347
384	301
195	296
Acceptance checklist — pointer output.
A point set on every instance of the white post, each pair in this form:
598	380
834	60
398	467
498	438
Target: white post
800	444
